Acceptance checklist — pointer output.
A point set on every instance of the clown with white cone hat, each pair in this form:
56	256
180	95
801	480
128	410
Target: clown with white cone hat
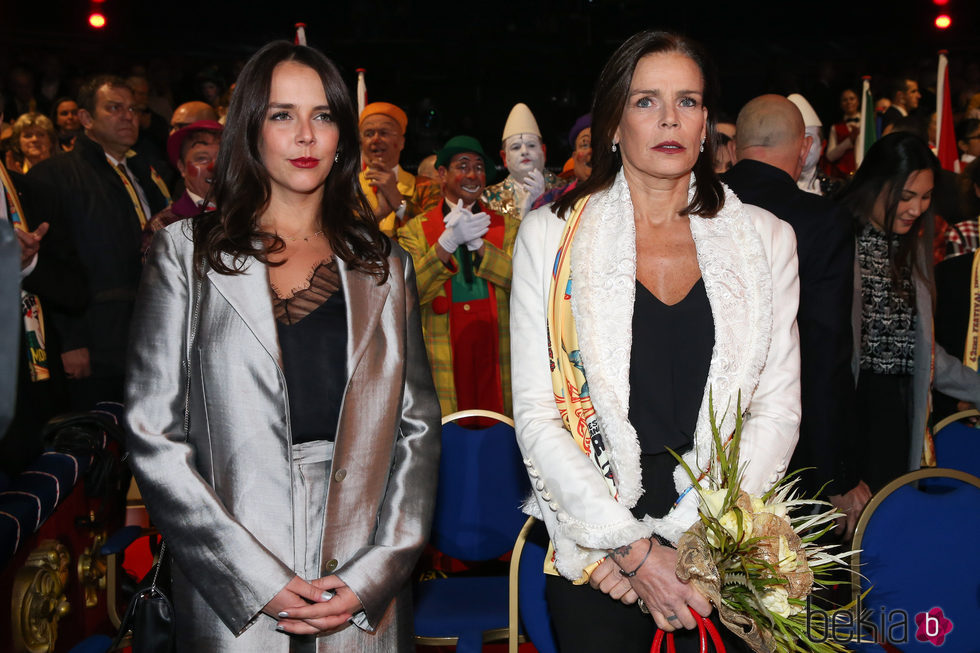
808	180
523	154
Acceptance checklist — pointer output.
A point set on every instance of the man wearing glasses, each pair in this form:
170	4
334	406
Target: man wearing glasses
462	254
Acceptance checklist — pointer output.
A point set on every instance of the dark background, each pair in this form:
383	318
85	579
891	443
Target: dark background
460	66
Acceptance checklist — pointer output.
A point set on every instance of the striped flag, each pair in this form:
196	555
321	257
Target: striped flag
869	131
949	156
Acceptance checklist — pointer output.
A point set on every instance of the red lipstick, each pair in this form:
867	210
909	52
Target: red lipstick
305	162
669	147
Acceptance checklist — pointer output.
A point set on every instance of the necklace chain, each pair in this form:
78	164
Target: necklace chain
293	239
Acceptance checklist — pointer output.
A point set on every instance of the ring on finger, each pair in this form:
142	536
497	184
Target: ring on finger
673	617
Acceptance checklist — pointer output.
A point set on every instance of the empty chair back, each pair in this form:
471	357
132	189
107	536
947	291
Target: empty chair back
958	443
920	555
482	482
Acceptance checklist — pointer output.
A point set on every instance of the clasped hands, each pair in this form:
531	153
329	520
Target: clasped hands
666	596
318	606
385	182
463	227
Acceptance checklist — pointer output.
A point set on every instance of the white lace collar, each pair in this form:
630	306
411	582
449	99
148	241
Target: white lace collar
738	283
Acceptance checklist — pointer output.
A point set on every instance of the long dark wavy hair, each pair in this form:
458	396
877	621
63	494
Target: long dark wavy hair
241	182
883	173
611	94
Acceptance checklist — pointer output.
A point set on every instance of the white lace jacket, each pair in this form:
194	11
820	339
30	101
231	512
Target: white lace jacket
748	261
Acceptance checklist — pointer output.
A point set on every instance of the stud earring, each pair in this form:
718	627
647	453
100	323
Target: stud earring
614	148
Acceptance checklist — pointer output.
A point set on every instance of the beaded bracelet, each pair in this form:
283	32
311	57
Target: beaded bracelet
630	574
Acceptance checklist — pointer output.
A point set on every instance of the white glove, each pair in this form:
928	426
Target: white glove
455	213
534	185
449	240
481	221
463	227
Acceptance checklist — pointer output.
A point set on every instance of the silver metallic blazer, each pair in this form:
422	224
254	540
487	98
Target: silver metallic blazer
222	495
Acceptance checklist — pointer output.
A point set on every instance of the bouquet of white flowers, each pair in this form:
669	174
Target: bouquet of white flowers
756	558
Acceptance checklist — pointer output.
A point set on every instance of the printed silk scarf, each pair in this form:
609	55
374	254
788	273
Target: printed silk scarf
569	383
571	388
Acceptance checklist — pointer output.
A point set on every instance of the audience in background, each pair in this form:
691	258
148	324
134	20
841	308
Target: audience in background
96	216
33	140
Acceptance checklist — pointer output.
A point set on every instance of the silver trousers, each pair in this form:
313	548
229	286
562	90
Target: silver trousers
311	469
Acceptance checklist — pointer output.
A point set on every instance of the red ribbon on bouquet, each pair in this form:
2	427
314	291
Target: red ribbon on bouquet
705	628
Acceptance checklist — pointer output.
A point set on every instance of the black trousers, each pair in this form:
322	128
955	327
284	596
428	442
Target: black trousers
884	432
587	621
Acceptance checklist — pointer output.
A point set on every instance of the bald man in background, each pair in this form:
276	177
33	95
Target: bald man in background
184	116
190	112
771	146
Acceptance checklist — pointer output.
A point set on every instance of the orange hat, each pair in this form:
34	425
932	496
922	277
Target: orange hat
385	109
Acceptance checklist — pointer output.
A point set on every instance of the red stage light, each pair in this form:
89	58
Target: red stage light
96	20
941	3
943	21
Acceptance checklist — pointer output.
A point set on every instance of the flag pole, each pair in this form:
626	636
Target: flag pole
361	91
868	127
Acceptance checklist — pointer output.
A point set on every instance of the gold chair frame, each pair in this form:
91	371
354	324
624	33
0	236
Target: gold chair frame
494	634
883	493
955	417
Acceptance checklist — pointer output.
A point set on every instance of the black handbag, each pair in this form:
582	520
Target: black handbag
150	615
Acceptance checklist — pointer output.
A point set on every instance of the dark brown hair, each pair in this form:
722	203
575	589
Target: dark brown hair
88	91
611	93
241	182
883	173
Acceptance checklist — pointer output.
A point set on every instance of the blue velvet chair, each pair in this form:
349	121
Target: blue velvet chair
482	482
919	551
528	605
958	443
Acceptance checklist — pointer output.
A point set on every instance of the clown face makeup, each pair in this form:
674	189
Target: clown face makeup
197	164
523	153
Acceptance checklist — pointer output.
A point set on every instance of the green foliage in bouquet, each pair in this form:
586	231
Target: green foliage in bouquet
757	558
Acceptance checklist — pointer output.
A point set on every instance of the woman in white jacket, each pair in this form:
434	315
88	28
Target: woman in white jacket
637	296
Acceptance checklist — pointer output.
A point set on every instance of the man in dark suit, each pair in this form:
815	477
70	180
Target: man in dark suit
904	94
771	148
52	280
106	193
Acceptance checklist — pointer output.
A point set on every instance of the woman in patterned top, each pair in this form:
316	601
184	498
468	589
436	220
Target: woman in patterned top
894	345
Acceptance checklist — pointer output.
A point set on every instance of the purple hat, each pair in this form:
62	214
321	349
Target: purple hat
176	140
580	124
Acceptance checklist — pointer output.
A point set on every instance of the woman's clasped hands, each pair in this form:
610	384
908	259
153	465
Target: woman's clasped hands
667	597
308	608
